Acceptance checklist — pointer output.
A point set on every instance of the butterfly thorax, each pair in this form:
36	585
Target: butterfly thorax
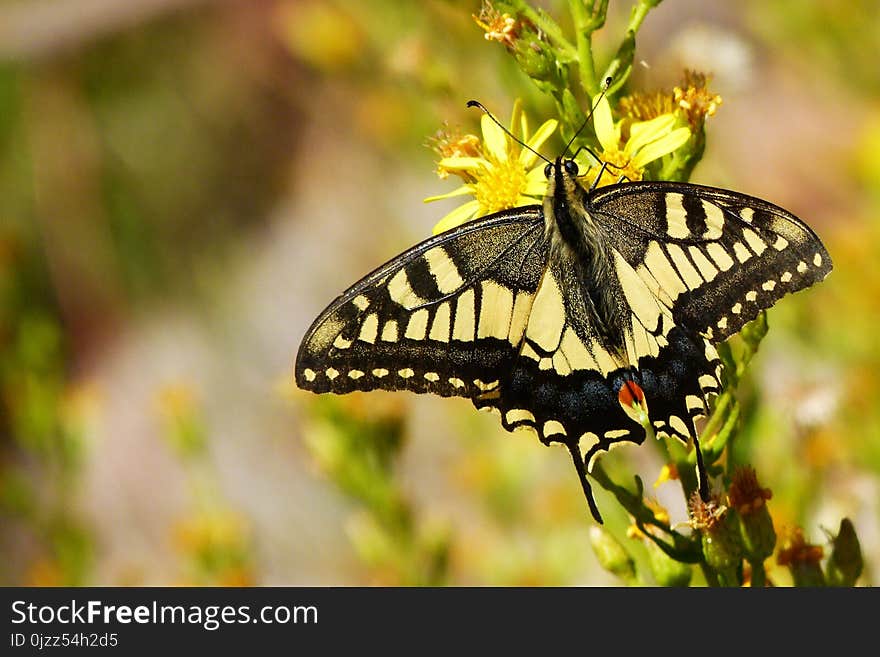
576	240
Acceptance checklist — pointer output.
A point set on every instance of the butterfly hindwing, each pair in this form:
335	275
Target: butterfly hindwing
443	317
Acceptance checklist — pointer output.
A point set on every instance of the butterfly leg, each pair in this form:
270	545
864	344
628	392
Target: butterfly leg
702	478
578	459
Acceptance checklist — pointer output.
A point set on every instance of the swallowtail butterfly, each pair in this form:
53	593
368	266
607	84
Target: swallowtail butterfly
555	315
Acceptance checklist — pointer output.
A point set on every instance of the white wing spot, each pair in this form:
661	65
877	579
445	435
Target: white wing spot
817	259
496	308
361	302
554	427
693	403
737	308
769	285
400	291
638	294
309	374
678	425
676	217
786	277
707	381
617	433
441	325
332	373
445	272
751	295
741	252
707	269
547	319
714	220
464	317
432	376
747	214
522	306
370	328
780	243
456	382
341	343
418	325
405	373
802	267
515	415
720	256
755	243
722	323
389	331
379	372
689	275
355	374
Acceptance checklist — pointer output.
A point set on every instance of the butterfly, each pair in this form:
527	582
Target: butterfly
561	316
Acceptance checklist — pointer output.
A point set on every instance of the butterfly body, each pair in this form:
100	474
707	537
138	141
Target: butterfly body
556	316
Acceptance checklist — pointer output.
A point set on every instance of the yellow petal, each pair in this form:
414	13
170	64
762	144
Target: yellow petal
464	190
657	149
462	163
603	123
526	157
494	138
644	132
518	119
457	217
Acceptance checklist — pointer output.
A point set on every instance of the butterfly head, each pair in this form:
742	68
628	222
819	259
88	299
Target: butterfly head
555	169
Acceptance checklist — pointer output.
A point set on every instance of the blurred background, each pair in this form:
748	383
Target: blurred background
186	184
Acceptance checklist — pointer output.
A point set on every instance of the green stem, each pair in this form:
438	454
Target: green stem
549	27
709	574
585	23
759	575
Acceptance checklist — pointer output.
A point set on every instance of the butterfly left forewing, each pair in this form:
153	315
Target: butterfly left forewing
443	317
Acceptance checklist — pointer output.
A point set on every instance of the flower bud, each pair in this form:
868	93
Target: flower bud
666	570
756	526
719	533
611	555
845	563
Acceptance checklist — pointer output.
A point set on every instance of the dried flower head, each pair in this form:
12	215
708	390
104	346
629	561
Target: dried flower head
452	143
705	515
746	495
501	27
694	99
795	550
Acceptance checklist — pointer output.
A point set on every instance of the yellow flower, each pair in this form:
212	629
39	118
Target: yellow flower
502	175
629	154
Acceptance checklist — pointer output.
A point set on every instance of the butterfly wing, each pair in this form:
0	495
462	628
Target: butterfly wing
713	257
695	264
444	317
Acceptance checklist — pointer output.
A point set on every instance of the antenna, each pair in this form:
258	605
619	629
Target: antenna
605	86
475	103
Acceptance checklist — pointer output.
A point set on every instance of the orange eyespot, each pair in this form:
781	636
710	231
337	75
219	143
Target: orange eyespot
630	394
